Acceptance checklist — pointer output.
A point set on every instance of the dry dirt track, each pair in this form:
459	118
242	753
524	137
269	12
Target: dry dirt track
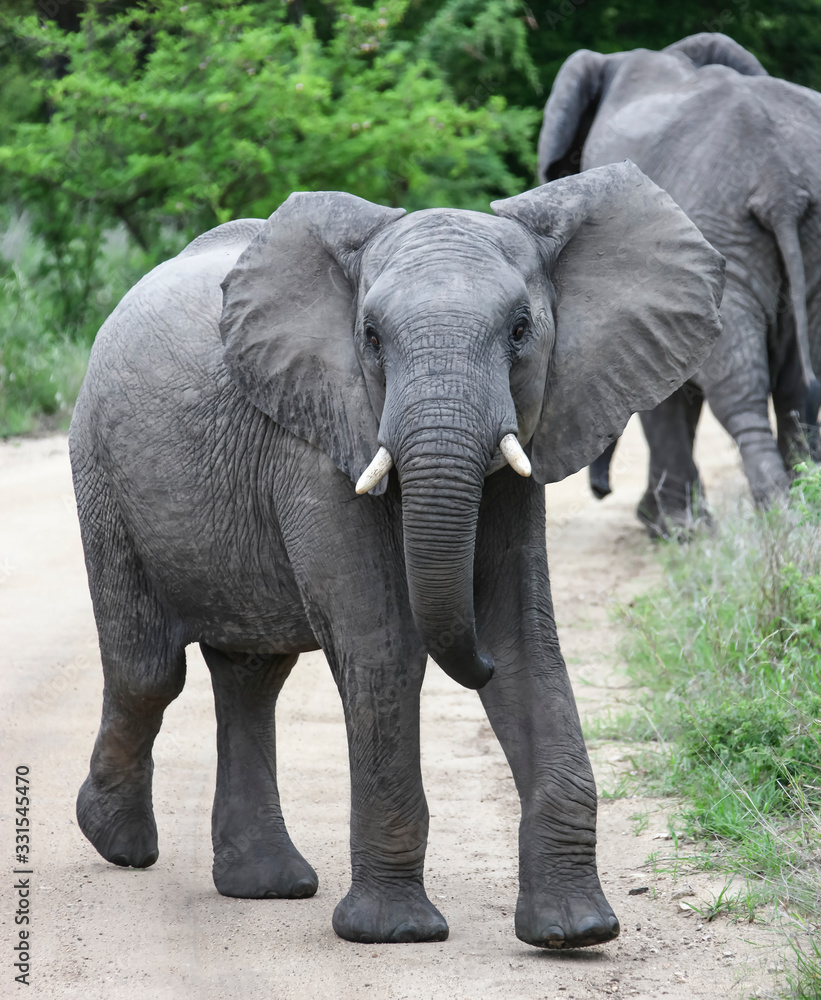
106	932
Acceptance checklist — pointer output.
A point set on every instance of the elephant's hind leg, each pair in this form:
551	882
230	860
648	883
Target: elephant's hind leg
738	388
143	657
254	857
674	502
114	804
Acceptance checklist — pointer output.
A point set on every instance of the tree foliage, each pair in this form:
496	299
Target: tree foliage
162	118
784	34
171	118
197	113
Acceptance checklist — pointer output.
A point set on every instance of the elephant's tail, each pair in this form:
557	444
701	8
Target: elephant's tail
789	246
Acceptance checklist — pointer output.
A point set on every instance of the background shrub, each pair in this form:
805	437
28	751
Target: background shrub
127	127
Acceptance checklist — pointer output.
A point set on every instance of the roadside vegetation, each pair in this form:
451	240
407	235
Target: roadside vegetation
726	658
49	317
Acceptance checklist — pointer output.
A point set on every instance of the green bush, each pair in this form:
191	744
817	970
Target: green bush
187	116
43	356
168	119
764	748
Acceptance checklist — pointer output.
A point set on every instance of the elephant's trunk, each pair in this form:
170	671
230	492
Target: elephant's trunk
442	459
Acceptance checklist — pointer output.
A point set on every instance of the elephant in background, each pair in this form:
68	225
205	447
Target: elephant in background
740	152
233	399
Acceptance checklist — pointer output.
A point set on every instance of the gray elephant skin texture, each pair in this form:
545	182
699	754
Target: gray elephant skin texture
740	152
233	399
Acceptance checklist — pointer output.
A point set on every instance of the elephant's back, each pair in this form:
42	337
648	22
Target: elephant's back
171	316
238	232
156	386
708	143
156	364
642	73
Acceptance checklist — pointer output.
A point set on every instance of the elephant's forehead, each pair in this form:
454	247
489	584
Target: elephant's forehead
443	236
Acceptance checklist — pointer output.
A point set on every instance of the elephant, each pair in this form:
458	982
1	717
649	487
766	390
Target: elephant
309	432
740	153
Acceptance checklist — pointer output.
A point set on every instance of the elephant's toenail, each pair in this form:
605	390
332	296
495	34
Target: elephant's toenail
304	889
403	933
554	937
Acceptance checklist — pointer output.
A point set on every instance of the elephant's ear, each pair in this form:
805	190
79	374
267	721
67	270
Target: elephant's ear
570	110
289	309
711	48
637	296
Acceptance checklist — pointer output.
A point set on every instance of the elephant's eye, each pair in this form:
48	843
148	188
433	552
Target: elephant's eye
518	331
375	341
373	337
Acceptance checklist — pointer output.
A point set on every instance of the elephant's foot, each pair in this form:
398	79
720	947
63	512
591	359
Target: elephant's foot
260	870
390	912
672	518
570	920
118	819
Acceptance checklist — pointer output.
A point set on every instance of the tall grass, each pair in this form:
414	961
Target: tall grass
726	657
805	980
44	345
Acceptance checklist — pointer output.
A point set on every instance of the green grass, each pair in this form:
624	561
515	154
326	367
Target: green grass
739	904
49	316
725	656
805	979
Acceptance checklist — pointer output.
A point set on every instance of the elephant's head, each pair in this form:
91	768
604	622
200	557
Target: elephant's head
435	336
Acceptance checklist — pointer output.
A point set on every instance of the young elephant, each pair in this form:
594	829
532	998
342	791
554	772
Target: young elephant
215	446
740	152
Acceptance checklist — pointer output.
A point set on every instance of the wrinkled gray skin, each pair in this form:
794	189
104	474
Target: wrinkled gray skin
214	448
740	152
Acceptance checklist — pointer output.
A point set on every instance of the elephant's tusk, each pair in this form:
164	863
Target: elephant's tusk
376	471
512	450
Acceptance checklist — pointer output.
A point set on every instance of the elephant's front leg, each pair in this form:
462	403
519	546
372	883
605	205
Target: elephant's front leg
348	560
380	684
531	707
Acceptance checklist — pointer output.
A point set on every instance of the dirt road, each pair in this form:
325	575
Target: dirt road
103	932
